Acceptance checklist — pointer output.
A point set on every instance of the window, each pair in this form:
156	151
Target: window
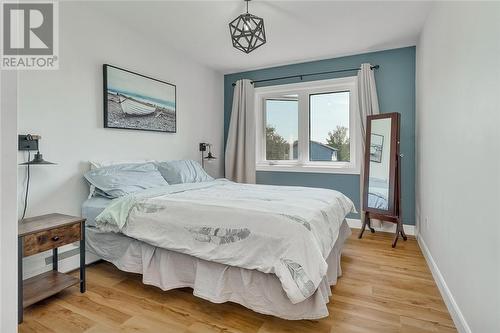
308	126
329	127
282	129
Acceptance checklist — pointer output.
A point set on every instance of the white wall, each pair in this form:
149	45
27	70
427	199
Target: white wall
8	214
65	107
458	158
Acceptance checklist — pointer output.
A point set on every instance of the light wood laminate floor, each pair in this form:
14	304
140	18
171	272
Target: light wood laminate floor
381	290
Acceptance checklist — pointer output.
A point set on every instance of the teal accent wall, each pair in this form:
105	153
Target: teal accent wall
396	92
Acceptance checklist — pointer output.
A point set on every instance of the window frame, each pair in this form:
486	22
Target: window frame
304	90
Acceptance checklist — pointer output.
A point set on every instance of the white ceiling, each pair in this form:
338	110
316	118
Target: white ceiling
296	30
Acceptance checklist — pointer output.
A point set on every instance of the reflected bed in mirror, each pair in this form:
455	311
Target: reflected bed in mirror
378	193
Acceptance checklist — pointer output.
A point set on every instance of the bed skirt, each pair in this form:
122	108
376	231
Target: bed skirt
217	283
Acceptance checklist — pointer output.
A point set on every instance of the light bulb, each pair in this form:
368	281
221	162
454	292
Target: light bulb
246	25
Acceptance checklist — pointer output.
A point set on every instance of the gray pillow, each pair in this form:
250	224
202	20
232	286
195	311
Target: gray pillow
121	179
183	171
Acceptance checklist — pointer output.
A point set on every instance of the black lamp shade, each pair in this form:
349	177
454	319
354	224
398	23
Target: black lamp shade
38	160
210	156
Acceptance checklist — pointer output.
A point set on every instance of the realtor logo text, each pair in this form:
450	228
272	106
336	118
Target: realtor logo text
29	35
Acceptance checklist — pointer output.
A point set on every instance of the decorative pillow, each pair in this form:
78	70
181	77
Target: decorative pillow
121	179
100	164
183	171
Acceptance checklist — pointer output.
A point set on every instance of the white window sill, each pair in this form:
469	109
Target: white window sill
307	168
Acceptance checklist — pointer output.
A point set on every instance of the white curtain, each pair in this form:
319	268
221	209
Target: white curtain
367	105
240	146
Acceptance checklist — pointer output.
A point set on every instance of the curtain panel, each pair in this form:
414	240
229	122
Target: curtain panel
240	146
367	105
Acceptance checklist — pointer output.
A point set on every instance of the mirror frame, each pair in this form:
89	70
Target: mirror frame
394	152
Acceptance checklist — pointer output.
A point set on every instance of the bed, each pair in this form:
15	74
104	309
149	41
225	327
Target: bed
275	250
378	193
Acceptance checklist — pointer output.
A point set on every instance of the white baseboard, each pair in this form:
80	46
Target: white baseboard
456	314
386	227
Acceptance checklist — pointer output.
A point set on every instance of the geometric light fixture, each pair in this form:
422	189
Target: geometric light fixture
247	32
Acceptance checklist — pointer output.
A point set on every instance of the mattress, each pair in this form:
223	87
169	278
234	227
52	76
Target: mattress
93	207
212	281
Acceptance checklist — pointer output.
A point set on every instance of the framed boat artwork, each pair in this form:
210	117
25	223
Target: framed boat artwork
139	102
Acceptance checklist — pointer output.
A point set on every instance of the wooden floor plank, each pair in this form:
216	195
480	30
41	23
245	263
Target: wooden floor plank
85	306
382	290
59	319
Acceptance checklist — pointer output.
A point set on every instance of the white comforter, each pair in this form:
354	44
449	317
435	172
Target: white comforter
287	231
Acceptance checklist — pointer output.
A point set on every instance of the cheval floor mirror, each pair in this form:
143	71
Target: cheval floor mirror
382	177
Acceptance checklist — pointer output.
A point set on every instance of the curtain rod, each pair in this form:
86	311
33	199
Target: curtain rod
309	74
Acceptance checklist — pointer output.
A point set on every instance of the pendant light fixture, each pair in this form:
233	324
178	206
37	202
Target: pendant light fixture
247	32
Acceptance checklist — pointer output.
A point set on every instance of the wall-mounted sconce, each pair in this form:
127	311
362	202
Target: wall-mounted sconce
203	148
30	143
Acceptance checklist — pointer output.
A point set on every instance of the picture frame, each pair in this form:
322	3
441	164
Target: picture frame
376	148
138	102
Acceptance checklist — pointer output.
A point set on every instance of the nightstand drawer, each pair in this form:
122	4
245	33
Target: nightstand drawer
49	239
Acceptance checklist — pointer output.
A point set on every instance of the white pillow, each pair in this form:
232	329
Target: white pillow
183	171
121	179
101	164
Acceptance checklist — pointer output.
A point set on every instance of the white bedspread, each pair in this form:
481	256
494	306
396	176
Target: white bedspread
287	231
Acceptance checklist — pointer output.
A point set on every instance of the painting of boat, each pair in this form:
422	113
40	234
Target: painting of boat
133	107
138	102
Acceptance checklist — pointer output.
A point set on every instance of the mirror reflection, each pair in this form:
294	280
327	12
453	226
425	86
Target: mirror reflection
379	171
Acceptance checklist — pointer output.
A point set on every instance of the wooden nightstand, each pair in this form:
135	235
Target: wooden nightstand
42	233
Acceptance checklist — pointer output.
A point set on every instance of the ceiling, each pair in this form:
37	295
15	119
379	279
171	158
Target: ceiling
296	30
